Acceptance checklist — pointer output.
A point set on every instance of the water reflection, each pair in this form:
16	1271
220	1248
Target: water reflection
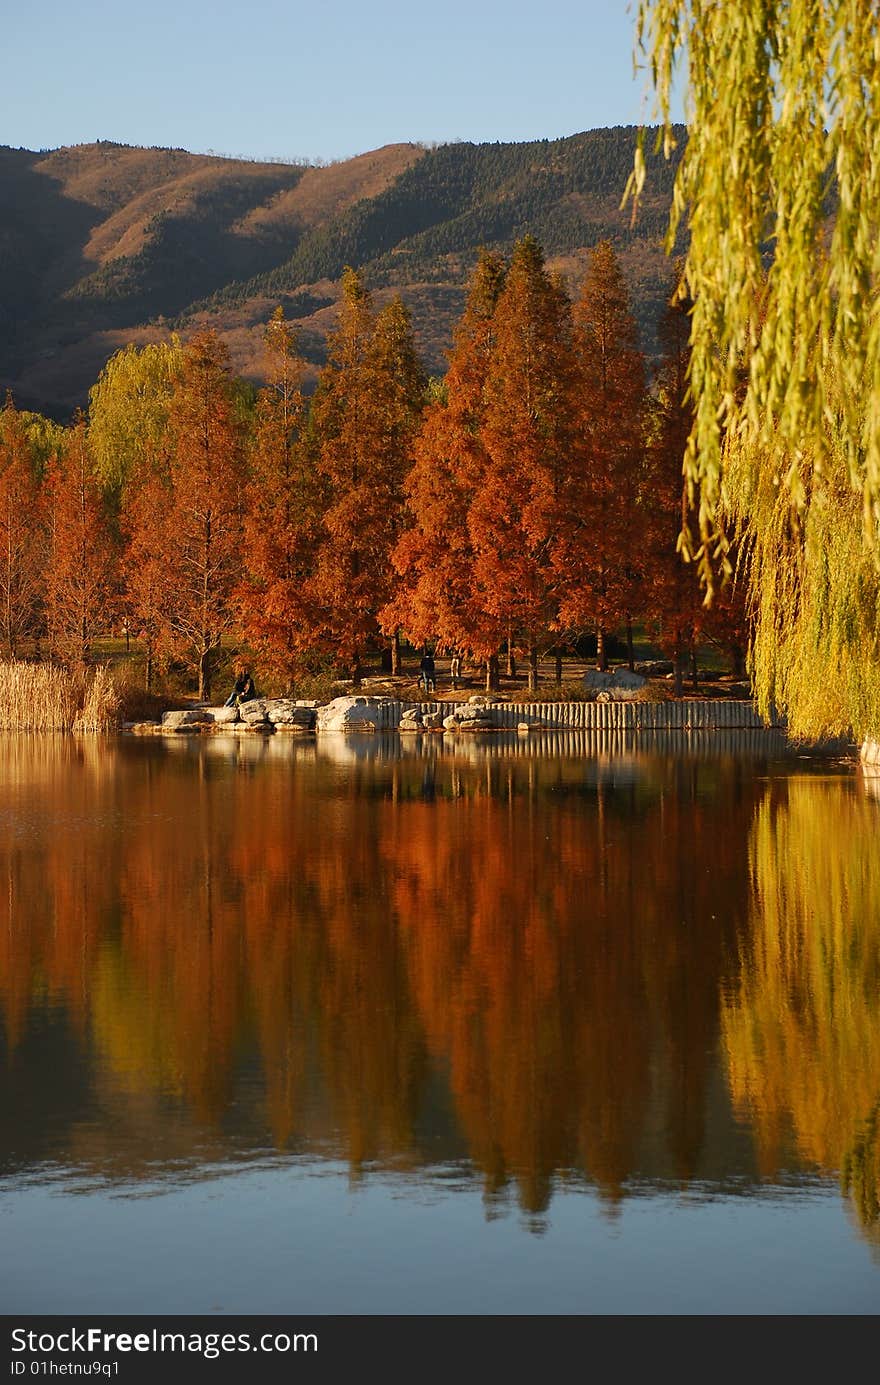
802	1022
528	959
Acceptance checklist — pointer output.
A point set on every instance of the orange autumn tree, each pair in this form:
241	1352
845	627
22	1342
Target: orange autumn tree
600	555
361	427
148	584
281	514
530	440
81	575
201	537
434	555
400	384
21	539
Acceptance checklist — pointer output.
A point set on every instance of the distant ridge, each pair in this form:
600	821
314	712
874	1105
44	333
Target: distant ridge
102	244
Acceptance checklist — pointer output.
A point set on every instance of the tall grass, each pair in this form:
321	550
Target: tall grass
45	697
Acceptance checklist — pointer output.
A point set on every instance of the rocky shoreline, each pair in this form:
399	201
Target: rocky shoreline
611	707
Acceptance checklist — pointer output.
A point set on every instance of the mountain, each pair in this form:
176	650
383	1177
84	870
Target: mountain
102	244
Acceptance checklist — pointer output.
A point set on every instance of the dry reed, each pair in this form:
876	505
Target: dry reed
45	697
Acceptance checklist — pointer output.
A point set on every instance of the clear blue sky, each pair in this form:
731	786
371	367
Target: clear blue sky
282	78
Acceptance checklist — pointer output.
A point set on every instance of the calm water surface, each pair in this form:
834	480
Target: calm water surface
551	1024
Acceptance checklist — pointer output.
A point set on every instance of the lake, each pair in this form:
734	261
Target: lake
558	1023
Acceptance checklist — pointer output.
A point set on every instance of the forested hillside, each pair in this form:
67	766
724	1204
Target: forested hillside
105	244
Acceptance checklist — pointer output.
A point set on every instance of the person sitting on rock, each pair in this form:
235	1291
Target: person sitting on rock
242	689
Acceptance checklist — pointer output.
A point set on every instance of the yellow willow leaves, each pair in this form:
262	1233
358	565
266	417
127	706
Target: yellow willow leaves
802	1026
779	187
782	157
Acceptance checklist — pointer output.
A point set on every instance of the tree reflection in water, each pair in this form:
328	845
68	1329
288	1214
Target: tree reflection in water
537	961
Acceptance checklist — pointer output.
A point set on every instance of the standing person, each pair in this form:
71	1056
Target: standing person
242	689
428	679
455	668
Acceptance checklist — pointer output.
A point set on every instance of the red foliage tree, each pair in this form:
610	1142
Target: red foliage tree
202	535
530	440
434	556
362	423
81	575
281	516
21	538
599	555
148	585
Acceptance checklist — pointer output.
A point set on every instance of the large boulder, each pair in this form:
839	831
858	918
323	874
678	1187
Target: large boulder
222	716
351	714
476	719
283	711
192	719
621	680
254	711
596	681
625	678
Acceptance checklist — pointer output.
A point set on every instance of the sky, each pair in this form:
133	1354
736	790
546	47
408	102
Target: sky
292	80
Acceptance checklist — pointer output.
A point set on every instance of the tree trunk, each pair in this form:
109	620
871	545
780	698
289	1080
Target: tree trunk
601	653
694	678
559	668
355	669
205	675
148	669
738	661
395	655
492	676
630	652
511	661
533	668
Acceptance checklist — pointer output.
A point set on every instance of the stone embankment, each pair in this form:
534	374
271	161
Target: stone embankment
614	708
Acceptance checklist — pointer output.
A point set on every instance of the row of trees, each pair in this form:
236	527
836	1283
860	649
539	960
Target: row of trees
533	495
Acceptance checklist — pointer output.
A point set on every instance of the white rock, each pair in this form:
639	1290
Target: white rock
222	715
281	711
253	711
351	714
196	716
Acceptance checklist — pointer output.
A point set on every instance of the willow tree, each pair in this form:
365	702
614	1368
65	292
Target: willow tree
779	188
128	412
